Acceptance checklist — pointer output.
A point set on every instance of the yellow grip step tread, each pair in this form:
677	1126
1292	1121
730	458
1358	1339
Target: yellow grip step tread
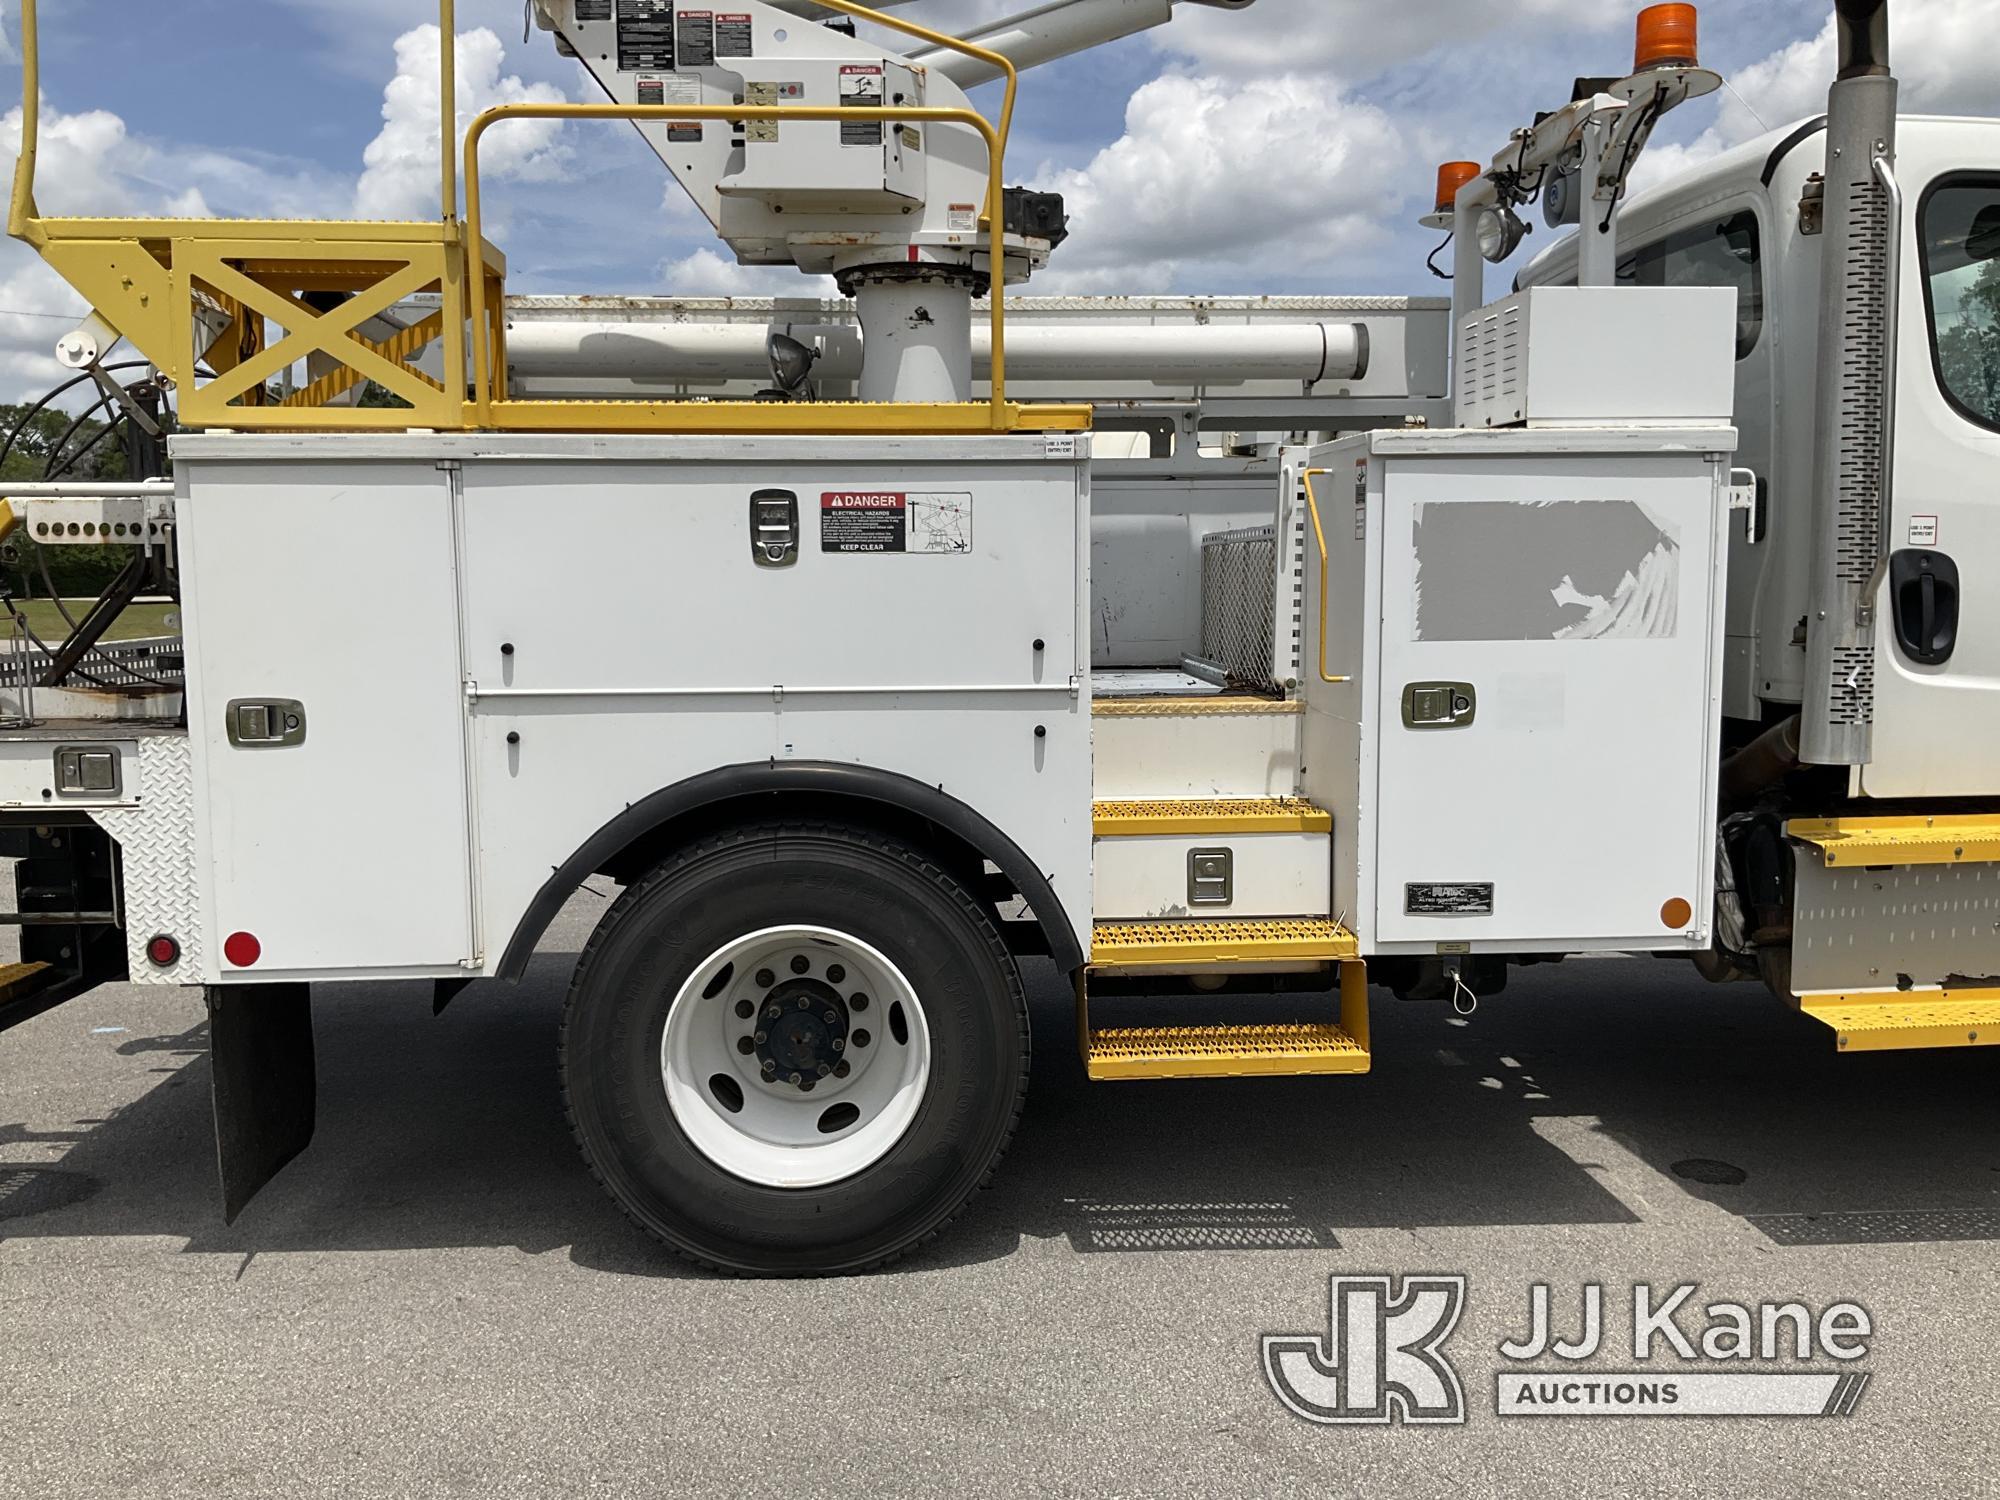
1291	1051
1209	818
1126	945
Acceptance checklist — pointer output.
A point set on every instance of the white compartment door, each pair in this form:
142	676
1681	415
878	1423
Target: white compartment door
332	585
1554	617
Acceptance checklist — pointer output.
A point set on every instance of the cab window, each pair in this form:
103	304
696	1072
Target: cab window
1724	252
1959	225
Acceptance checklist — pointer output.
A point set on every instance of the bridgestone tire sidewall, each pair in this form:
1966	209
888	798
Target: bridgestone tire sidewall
695	905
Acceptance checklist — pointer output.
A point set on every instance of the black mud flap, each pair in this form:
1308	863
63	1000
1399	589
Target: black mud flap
266	1093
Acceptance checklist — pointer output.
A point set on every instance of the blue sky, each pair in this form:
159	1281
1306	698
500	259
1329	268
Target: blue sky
1283	149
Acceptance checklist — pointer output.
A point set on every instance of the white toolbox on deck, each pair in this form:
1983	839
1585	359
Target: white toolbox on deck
1523	758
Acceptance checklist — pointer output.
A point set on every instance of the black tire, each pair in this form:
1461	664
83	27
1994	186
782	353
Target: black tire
738	882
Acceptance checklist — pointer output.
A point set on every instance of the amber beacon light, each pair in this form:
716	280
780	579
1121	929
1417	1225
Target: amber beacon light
1452	176
1668	38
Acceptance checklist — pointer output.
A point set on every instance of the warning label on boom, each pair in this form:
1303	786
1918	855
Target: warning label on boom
860	88
894	521
645	35
694	39
732	34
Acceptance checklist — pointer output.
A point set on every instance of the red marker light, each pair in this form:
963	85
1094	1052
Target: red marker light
163	951
242	949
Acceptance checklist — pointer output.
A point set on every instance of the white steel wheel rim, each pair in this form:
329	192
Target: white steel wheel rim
766	1128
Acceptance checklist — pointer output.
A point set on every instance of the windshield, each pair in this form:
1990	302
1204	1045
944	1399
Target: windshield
1961	238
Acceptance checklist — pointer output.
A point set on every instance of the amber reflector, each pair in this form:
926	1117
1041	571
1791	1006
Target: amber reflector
1452	176
1667	38
1676	914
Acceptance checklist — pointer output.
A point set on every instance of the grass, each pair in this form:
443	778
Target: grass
138	621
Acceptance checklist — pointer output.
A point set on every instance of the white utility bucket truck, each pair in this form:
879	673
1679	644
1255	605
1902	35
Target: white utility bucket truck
1654	625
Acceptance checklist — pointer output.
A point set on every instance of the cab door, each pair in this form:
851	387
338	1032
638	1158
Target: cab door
1937	645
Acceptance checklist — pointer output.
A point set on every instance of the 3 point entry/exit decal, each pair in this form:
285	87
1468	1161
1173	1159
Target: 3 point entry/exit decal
894	521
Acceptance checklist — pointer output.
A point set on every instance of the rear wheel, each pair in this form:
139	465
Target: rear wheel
795	1049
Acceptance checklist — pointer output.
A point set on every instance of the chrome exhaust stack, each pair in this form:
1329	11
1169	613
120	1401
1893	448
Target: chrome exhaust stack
1852	501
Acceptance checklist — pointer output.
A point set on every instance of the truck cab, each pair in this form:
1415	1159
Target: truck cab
1751	219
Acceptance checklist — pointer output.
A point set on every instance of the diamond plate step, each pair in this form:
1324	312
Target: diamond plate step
1209	818
1224	1052
1194	943
1885	1022
1924	839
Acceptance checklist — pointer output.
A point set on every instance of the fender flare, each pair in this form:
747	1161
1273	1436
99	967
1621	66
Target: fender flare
734	783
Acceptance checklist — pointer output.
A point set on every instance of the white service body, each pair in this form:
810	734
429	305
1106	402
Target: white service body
443	777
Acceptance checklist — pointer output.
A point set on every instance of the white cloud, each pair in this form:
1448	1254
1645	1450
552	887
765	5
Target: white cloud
1211	176
703	273
1354	39
400	168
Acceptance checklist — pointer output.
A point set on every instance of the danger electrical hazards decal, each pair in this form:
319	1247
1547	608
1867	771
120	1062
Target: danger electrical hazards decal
860	88
894	521
732	34
694	39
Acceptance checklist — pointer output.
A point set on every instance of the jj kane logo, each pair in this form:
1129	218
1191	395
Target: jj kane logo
1382	1360
1383	1356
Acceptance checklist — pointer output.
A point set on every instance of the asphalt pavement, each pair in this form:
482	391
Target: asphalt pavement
436	1299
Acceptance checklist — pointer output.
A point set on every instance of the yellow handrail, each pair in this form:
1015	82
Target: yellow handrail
448	104
21	208
1319	532
482	376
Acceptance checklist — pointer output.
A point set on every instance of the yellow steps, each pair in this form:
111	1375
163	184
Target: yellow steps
1887	1021
1845	843
1215	707
1194	943
1209	818
1295	1050
1224	1052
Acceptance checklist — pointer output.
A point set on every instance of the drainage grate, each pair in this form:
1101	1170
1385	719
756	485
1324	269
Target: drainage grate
1889	1227
36	1190
1195	1226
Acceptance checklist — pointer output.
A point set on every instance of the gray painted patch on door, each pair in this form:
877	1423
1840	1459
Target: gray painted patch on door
1511	570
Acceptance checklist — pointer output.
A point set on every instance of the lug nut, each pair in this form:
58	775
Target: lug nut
745	1045
794	1078
770	1069
761	1038
800	964
824	1069
745	1009
832	1018
765	979
839	1044
805	1002
835	974
773	1013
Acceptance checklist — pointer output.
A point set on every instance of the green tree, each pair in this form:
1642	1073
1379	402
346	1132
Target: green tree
1969	349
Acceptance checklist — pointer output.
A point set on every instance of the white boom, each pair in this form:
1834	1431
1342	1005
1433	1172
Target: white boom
1053	31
